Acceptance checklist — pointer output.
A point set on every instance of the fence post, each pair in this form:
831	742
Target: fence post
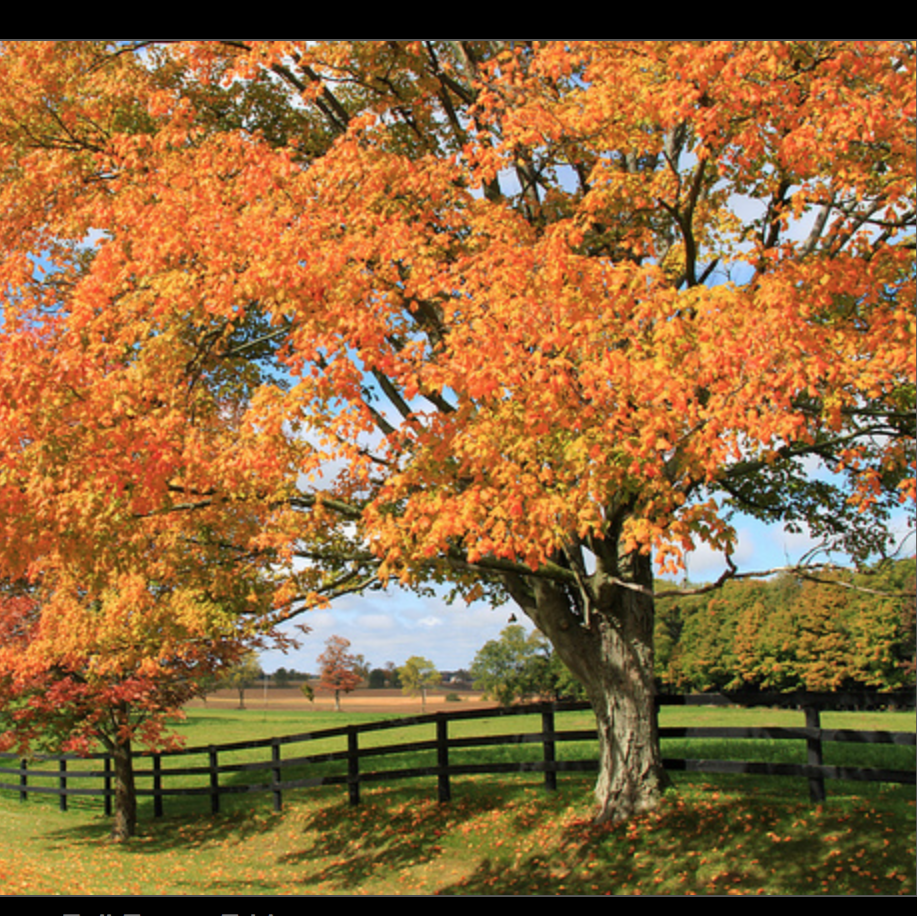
106	783
62	767
353	765
814	753
550	747
157	785
442	756
23	780
275	774
214	780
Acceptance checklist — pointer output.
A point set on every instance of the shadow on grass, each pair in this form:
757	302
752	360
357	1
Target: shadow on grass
393	833
711	846
178	831
520	840
541	845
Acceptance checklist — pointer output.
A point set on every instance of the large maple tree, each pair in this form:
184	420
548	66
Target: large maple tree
530	318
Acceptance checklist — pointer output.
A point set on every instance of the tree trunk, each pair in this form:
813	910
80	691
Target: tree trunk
604	634
125	803
621	692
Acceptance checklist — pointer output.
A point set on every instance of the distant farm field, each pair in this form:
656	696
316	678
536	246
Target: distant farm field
360	701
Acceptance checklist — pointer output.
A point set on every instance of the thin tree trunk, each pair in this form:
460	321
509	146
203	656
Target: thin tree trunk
125	802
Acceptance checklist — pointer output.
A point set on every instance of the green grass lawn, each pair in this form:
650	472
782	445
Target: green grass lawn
498	835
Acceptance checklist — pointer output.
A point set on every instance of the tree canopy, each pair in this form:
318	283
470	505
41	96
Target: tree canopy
853	631
418	674
522	316
513	667
340	670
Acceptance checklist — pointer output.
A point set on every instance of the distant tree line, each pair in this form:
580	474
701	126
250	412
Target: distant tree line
288	677
848	630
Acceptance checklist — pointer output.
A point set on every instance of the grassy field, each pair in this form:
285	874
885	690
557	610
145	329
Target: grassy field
712	835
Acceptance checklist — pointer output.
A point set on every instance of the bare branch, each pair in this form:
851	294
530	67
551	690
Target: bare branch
809	573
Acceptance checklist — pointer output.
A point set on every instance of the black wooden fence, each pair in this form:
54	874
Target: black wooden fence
276	772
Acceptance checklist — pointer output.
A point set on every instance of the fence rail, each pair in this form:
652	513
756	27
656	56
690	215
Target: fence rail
276	773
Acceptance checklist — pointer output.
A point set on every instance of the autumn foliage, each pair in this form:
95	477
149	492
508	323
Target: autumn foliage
78	675
842	632
524	317
340	670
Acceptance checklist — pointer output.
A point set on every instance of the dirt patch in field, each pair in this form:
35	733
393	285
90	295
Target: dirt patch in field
384	701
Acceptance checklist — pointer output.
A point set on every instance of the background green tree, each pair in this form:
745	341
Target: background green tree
281	678
417	675
514	667
243	675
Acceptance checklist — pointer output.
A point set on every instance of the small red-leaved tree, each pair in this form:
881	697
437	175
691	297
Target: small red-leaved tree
341	670
82	673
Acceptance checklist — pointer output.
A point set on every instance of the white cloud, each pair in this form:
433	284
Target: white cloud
705	564
392	626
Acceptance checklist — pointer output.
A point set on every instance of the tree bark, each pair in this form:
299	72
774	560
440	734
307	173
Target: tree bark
125	801
604	634
621	691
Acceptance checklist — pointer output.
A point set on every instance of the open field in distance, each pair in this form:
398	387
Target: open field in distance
363	700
